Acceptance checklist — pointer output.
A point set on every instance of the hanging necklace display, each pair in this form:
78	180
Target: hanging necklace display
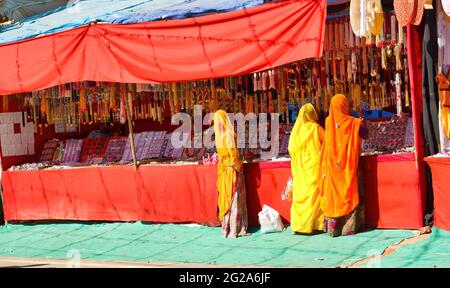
43	108
33	103
261	91
272	92
398	92
301	85
249	94
285	84
239	93
171	105
204	95
159	107
147	95
371	77
328	88
83	105
398	50
255	93
182	96
235	94
122	113
213	97
334	54
407	101
342	59
189	97
147	103
393	33
175	97
152	105
155	103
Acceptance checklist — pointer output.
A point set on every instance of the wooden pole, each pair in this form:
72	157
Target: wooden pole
130	128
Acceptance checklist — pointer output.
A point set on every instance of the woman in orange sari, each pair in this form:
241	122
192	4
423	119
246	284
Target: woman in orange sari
305	144
230	179
340	201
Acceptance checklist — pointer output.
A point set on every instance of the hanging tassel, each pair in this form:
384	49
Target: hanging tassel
175	97
398	86
123	108
407	101
83	104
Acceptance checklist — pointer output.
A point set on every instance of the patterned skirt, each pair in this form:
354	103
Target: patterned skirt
235	222
351	223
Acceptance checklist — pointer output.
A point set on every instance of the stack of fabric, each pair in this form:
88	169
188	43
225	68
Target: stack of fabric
115	149
127	156
143	144
93	150
72	151
49	150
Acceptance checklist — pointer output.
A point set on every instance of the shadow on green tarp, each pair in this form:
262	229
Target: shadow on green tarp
145	242
427	253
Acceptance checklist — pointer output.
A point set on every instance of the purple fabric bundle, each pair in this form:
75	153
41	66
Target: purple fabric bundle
115	150
72	151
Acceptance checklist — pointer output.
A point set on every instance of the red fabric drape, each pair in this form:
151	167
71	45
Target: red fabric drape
113	194
389	202
150	194
219	45
414	47
264	183
440	169
392	192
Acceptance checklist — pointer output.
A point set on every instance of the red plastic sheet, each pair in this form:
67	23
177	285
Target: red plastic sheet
153	193
238	42
440	170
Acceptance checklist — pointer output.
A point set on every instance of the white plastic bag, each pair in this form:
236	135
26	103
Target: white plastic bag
270	220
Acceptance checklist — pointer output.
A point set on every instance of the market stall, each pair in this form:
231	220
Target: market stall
78	140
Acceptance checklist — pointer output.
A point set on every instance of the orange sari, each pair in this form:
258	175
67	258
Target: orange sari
341	150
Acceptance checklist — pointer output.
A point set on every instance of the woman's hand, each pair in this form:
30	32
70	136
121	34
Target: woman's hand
360	113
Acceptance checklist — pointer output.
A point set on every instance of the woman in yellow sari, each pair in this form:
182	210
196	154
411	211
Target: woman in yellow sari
305	144
340	202
230	179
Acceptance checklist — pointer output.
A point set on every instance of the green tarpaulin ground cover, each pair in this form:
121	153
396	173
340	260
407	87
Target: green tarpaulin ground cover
427	253
143	242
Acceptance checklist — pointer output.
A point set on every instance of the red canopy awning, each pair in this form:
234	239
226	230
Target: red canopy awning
219	45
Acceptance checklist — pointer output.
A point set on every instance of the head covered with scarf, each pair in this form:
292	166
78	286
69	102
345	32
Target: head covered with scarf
304	127
341	150
229	160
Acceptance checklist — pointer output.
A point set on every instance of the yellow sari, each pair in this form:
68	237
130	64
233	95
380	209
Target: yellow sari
230	179
305	144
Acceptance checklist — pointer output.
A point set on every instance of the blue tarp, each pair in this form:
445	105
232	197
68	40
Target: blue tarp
20	9
83	12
